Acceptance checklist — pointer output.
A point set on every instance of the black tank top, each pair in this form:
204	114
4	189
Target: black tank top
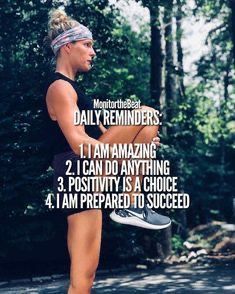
55	139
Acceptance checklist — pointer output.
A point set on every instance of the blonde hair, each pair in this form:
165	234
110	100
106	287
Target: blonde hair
59	22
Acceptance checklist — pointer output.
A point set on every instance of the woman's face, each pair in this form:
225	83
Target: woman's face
81	55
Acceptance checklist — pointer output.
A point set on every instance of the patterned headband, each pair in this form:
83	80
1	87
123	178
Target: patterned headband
77	33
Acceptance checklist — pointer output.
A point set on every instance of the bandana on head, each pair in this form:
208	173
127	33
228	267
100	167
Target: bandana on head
77	33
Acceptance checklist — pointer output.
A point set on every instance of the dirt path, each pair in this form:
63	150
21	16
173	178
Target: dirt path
172	279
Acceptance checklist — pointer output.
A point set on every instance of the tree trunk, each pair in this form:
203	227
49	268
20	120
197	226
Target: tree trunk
179	50
180	96
225	205
170	87
156	57
232	26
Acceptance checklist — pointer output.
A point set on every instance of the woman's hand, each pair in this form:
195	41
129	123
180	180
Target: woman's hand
156	140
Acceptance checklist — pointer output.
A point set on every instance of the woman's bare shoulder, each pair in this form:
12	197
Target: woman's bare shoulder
60	90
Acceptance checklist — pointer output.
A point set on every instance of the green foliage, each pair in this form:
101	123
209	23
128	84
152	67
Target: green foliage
177	244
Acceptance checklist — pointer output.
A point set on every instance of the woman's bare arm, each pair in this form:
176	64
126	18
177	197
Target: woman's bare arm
62	103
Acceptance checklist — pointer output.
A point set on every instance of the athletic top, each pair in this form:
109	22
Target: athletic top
55	138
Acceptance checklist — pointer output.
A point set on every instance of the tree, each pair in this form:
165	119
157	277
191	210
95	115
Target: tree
170	86
156	56
232	25
180	67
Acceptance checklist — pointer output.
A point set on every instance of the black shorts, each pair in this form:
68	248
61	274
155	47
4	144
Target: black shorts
60	168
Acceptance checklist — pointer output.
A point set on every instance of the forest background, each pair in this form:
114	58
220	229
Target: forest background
147	64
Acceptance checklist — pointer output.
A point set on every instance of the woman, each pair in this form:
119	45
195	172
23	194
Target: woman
72	45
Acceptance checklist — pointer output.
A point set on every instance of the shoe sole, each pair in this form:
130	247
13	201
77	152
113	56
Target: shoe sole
134	221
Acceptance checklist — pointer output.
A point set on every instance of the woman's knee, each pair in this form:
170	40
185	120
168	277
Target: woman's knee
145	107
82	283
146	135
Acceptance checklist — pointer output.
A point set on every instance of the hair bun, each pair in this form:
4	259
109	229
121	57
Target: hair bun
59	22
57	18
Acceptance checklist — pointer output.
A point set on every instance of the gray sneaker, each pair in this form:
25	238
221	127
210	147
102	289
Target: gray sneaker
141	217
